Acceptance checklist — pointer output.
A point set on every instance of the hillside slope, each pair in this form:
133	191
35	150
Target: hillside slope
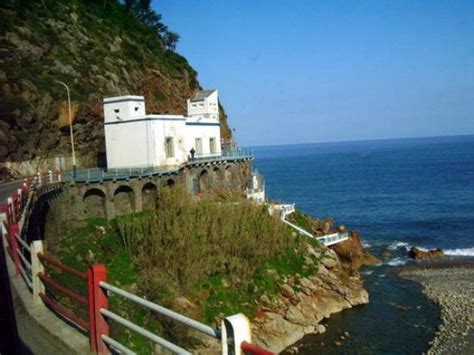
98	50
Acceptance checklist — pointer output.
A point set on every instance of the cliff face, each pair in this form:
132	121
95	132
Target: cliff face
98	52
304	302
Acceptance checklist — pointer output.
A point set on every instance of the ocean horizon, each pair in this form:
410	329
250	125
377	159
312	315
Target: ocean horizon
373	140
396	193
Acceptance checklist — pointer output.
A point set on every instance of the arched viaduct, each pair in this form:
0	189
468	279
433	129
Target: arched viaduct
108	199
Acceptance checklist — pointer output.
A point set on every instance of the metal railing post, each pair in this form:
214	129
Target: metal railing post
20	198
16	205
50	173
36	268
97	299
39	179
13	230
11	215
235	330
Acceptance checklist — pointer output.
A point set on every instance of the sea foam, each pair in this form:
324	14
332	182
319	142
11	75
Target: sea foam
397	262
460	252
398	245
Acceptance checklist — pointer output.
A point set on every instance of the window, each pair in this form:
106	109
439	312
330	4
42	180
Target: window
169	147
201	105
117	110
212	145
193	105
198	144
136	108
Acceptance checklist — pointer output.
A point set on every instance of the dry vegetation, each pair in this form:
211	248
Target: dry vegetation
187	240
219	253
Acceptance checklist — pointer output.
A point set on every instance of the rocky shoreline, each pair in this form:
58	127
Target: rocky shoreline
450	284
304	302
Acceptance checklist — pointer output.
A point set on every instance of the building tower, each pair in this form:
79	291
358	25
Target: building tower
204	104
128	136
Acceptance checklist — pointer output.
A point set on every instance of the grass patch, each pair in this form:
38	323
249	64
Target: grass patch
220	252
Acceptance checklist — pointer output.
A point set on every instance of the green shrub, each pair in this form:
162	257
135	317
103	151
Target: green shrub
187	240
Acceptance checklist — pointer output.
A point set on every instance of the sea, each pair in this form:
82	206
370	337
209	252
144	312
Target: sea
397	193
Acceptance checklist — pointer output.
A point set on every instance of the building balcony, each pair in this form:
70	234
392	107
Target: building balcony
225	155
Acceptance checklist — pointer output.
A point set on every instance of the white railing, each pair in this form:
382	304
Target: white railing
203	328
334	238
286	209
327	240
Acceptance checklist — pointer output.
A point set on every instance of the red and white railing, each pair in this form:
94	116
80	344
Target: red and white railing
34	265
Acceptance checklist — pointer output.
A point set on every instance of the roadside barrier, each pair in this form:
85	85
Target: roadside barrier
50	301
31	262
327	240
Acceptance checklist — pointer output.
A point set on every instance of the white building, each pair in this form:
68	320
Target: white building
135	139
205	104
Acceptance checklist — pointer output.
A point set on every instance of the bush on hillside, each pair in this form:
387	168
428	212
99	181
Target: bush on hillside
187	239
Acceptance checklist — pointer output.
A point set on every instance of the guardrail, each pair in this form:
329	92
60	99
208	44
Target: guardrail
100	175
230	155
334	238
327	240
30	261
287	209
235	338
50	301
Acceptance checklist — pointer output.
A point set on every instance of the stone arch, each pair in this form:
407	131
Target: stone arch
217	180
204	181
94	202
124	200
228	175
170	182
149	196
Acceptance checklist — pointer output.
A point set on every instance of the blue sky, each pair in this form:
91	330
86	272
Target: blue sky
315	71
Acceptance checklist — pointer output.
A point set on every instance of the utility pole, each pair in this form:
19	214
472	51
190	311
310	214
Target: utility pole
71	132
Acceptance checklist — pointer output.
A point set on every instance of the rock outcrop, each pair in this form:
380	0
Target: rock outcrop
303	302
419	254
353	254
284	318
98	53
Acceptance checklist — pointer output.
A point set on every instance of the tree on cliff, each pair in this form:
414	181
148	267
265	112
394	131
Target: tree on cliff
143	11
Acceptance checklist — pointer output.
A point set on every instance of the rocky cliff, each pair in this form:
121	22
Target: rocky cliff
303	302
98	51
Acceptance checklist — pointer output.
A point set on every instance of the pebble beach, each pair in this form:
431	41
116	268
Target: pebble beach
450	284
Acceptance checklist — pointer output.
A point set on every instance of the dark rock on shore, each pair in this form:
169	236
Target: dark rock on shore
352	253
419	254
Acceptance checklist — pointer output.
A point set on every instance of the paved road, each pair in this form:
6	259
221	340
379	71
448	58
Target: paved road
7	188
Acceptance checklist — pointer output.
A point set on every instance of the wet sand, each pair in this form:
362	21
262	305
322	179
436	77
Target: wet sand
450	284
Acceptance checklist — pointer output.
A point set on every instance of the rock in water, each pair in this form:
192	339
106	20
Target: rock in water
419	254
352	252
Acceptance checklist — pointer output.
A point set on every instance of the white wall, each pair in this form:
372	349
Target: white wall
169	126
207	108
204	130
123	108
128	138
129	144
135	139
